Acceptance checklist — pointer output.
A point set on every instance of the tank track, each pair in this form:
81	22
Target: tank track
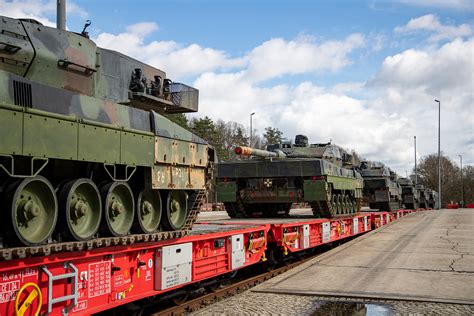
72	246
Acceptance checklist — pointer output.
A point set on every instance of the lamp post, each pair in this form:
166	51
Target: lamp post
250	139
439	153
462	184
416	176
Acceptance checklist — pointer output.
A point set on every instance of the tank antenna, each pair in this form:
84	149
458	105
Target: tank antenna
61	14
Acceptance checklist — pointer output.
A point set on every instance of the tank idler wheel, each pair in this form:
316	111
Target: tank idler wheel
33	210
81	209
176	210
148	212
119	208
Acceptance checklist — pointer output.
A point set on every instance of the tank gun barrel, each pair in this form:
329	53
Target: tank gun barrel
249	151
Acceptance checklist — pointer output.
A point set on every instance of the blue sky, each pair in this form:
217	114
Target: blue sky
362	73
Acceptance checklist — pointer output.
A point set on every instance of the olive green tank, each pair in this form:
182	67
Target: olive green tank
381	189
86	148
267	182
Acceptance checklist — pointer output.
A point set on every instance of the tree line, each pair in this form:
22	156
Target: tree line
451	183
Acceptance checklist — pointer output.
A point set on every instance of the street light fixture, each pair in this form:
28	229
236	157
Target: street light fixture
439	153
462	184
250	139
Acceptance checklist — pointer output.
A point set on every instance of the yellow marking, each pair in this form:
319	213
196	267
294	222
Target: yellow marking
36	292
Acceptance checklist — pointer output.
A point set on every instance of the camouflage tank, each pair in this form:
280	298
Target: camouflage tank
422	195
86	147
381	190
269	181
410	197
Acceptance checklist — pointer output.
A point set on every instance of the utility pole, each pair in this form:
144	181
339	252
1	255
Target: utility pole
250	140
416	173
462	184
439	153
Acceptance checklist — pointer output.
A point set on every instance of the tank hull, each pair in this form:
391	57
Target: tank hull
269	187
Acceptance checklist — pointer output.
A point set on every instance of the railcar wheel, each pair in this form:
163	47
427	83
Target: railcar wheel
33	210
180	298
119	208
176	210
148	212
81	209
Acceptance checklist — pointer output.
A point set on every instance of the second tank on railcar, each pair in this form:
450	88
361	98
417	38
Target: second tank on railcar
269	181
87	149
381	190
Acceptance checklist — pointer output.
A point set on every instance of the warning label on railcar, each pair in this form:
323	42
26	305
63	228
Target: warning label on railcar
99	278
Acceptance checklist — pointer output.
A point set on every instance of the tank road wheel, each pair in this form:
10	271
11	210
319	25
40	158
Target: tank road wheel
334	205
348	205
343	204
119	208
176	210
148	212
353	205
81	209
33	210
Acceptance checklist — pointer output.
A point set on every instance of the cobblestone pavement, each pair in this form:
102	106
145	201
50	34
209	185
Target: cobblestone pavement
254	303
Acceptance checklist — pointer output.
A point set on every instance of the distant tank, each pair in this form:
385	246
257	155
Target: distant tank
431	198
410	196
269	181
422	195
86	148
381	190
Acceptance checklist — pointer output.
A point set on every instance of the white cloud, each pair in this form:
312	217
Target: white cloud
178	60
272	59
449	67
431	23
278	57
